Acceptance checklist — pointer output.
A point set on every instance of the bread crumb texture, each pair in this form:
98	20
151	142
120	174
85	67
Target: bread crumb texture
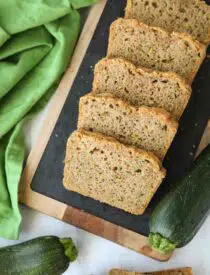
104	169
141	86
148	128
189	16
156	49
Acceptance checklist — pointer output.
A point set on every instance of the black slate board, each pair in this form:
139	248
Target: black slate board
48	177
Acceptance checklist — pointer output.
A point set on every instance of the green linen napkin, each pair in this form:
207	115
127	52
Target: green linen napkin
37	39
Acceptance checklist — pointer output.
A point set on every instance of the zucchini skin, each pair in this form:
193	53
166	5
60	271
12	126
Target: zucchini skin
40	256
181	213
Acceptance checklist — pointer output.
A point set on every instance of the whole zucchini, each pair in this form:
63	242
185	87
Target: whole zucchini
179	216
47	255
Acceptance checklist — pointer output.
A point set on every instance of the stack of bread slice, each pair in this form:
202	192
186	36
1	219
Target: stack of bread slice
127	122
178	271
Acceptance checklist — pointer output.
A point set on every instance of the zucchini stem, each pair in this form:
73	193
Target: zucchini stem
70	249
161	244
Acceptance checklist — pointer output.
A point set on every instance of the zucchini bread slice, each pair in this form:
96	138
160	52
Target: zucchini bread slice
102	168
192	16
151	129
156	49
140	86
180	271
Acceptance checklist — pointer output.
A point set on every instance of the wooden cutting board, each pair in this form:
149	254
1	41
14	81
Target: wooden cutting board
41	185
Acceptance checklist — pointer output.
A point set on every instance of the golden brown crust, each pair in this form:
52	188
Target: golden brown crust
123	272
128	8
178	271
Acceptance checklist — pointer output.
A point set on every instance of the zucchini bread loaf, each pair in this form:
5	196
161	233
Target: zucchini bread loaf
156	49
180	271
151	129
106	170
141	86
190	16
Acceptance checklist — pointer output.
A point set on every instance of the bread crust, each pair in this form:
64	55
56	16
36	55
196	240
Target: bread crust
178	271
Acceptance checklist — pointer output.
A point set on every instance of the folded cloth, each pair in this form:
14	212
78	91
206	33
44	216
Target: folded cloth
37	39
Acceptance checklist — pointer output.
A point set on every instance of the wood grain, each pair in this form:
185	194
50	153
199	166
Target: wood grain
112	232
57	209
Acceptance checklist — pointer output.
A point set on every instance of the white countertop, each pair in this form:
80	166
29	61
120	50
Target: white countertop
96	255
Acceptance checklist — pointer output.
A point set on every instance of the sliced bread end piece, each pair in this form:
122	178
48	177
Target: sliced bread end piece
100	167
140	86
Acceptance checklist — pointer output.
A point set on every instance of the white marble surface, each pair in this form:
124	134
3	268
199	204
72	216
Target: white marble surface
96	255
